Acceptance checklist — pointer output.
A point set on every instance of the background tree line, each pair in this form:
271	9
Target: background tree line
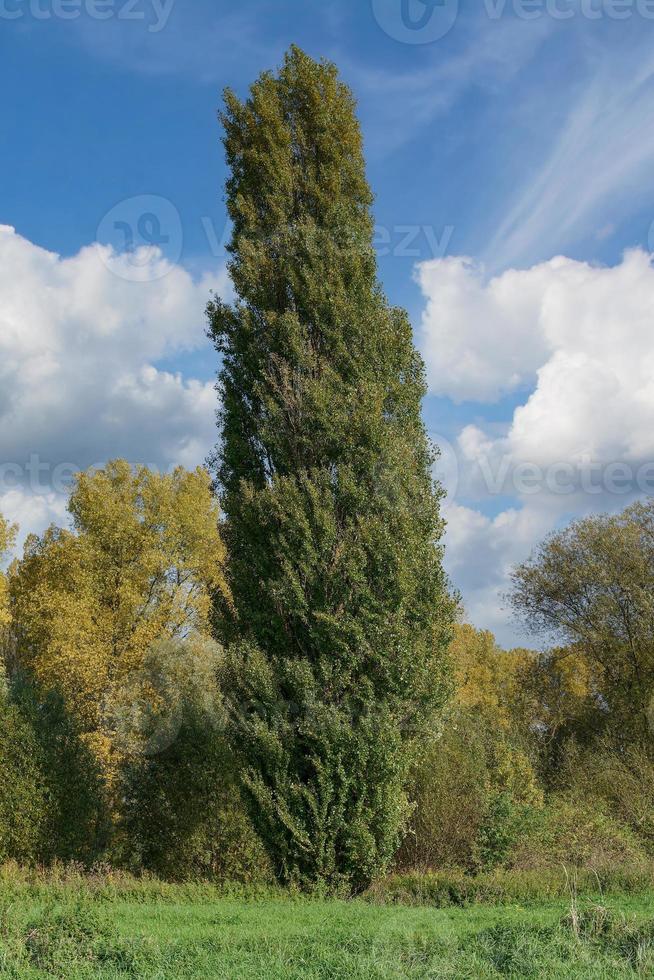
529	762
281	688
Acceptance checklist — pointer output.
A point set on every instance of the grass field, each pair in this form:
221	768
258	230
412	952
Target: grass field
55	932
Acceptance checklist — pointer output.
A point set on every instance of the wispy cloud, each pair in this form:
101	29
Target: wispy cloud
598	165
403	104
200	43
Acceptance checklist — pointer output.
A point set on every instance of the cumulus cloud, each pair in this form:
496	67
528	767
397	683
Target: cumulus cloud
31	512
581	335
79	345
480	553
476	335
576	341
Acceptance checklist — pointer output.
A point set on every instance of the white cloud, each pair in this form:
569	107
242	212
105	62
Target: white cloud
580	440
480	553
581	333
32	512
79	345
477	336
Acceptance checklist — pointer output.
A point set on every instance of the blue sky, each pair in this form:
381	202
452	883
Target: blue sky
511	151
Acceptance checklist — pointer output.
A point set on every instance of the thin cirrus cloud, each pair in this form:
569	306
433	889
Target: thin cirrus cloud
79	383
403	105
596	167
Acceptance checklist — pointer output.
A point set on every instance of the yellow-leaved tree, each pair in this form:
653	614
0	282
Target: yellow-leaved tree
476	779
7	534
7	537
141	563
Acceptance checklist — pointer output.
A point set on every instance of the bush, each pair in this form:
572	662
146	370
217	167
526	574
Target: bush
51	804
474	792
23	791
621	780
76	820
578	834
182	812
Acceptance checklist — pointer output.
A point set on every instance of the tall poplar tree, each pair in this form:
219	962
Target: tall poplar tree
336	649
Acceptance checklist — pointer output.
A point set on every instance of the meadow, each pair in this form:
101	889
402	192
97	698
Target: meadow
85	927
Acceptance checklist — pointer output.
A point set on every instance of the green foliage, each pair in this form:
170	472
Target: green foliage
617	779
474	784
22	789
182	815
332	519
474	792
51	803
504	820
449	789
578	833
76	820
592	586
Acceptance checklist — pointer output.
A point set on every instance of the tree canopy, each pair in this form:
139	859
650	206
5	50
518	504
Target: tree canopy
141	563
591	587
7	534
332	515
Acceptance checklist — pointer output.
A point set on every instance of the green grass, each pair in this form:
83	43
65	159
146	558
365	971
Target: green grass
55	931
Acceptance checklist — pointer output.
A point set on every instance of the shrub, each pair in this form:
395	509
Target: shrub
473	792
51	804
75	825
620	779
182	811
23	792
579	834
183	814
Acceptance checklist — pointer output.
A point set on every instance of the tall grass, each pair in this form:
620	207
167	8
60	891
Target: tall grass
86	936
